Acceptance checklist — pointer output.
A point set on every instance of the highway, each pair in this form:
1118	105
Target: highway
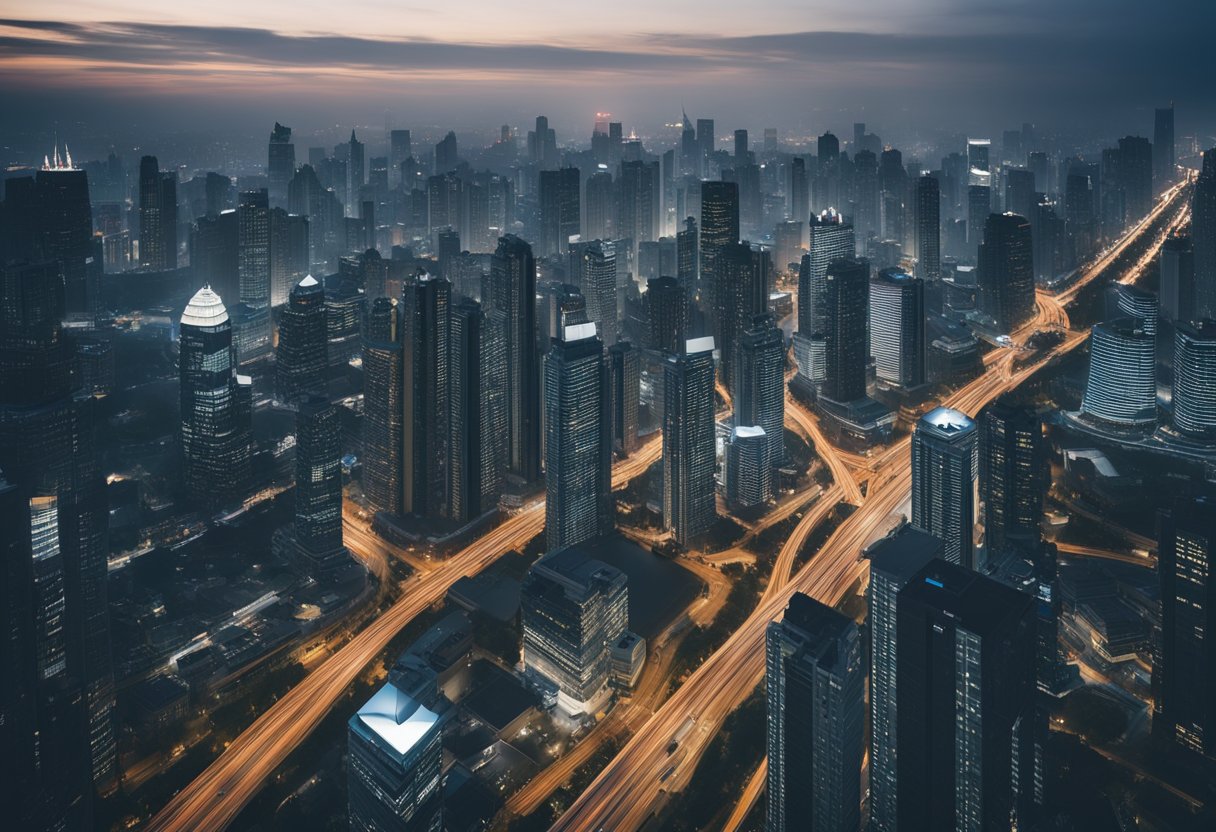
627	791
215	798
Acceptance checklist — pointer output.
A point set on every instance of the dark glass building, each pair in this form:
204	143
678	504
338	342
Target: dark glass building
301	359
1013	478
425	391
846	303
382	407
318	523
512	291
689	456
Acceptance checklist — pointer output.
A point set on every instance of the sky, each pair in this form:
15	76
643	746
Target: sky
787	63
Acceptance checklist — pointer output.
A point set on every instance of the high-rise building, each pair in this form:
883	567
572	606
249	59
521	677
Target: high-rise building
1006	272
1122	385
831	239
666	314
816	712
289	253
1163	147
894	560
573	609
897	328
157	216
63	232
688	440
512	287
578	439
1134	302
1176	299
705	138
1184	669
318	522
1135	176
252	327
944	463
600	207
301	360
1203	237
216	404
845	304
743	277
356	173
979	206
559	209
425	390
395	768
719	228
382	407
1013	478
800	195
638	189
747	467
478	364
593	270
400	148
927	205
759	393
688	258
968	721
1194	399
281	163
624	379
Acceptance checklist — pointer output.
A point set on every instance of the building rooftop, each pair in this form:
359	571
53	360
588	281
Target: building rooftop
904	552
744	431
946	420
697	345
396	719
205	309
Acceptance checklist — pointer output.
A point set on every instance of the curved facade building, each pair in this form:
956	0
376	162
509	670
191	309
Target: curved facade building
1195	379
1122	387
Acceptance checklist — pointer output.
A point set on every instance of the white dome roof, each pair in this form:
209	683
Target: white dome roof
308	281
205	309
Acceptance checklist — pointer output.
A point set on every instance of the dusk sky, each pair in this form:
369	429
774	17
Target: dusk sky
479	62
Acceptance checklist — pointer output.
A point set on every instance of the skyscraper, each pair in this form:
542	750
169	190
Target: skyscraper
928	228
513	292
845	305
1122	385
897	328
1163	147
600	207
301	360
251	324
478	361
578	439
425	390
894	560
743	274
666	314
831	239
719	228
281	163
1176	298
1006	272
1013	478
64	234
559	209
968	721
318	523
638	190
1135	176
1184	670
623	390
748	467
1195	379
759	394
593	270
289	253
688	440
944	463
400	148
382	407
688	258
216	404
1203	237
395	769
815	683
157	216
356	173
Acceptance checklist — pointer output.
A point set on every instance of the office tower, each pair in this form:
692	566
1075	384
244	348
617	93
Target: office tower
751	199
831	238
600	207
578	439
815	683
63	233
846	303
719	228
638	190
979	206
978	160
395	768
400	148
828	147
49	453
1203	237
705	138
894	560
157	216
748	467
799	209
688	440
318	520
542	144
478	363
344	311
301	360
1122	385
218	191
1184	669
593	270
289	253
666	314
1163	147
18	651
742	275
513	293
1176	301
624	379
928	228
1135	176
216	404
1006	272
1195	379
741	151
759	392
893	180
252	329
897	328
1133	302
382	407
356	173
787	244
1079	213
445	197
1013	478
281	163
559	209
1019	191
688	258
968	720
944	469
564	305
425	390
